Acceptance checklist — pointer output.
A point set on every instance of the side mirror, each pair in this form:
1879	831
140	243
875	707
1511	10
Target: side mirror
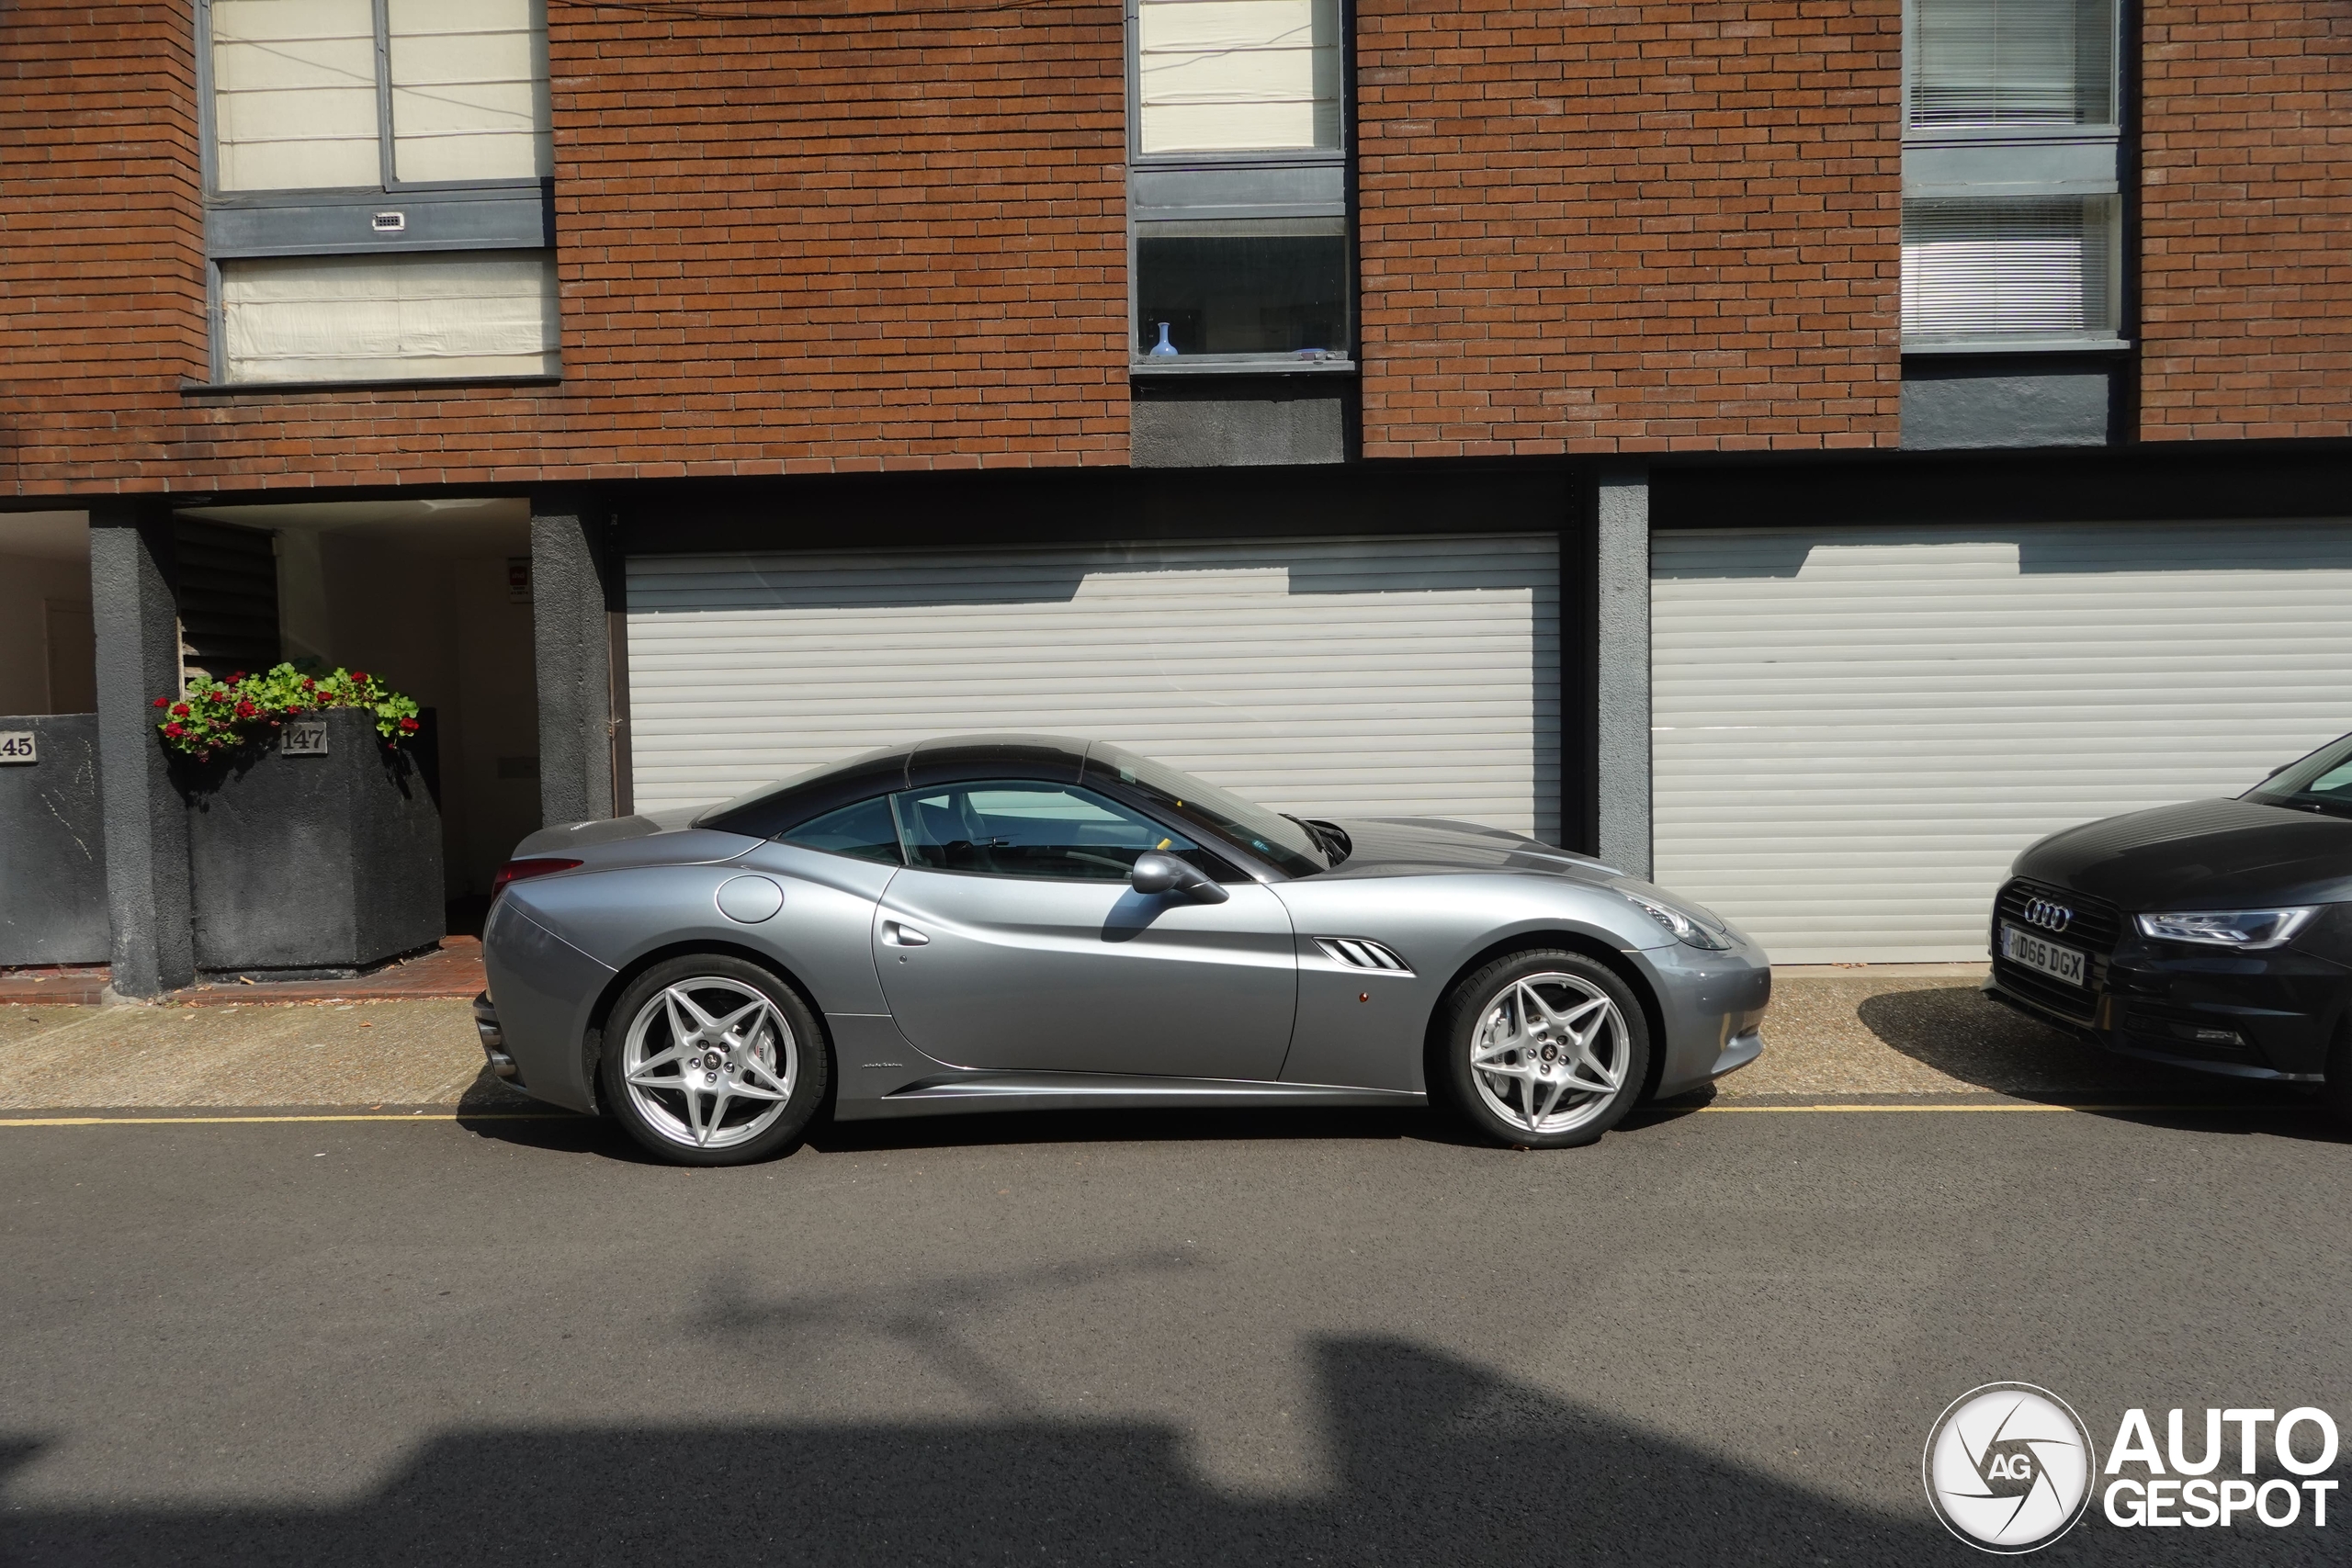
1157	873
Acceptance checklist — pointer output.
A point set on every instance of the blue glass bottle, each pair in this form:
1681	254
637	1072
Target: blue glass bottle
1163	348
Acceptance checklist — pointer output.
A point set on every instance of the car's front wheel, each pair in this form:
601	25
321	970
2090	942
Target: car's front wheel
712	1060
1546	1049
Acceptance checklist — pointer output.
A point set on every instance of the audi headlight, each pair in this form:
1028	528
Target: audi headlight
1695	928
2242	928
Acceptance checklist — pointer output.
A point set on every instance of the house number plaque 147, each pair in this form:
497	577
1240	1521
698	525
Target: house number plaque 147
303	739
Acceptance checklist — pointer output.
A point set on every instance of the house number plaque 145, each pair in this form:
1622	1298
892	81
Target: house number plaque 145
16	746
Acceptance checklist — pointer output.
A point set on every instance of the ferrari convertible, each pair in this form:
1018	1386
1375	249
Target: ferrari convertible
1020	922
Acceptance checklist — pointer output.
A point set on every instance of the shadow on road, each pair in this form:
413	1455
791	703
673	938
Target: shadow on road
1957	1032
1435	1462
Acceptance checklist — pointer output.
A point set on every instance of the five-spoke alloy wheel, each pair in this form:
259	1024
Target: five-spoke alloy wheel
1544	1050
712	1060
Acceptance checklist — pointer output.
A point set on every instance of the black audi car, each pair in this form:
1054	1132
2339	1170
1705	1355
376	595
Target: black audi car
2214	935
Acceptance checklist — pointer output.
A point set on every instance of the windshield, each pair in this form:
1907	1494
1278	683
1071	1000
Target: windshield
2320	781
1269	835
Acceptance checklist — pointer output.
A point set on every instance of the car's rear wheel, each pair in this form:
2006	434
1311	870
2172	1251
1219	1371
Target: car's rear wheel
712	1060
1544	1049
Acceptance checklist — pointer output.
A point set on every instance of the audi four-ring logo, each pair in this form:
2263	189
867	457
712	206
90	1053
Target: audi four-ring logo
2050	917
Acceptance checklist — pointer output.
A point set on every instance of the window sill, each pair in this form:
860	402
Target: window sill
1224	367
1993	344
446	384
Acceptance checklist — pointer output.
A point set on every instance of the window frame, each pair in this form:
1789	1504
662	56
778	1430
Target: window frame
1990	163
1221	186
514	213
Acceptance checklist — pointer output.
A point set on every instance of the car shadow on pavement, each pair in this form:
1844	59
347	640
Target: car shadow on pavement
1431	1461
1958	1032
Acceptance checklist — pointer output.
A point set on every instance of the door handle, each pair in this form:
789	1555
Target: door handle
899	935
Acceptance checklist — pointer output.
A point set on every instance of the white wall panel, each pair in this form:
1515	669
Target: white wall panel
1857	729
1355	676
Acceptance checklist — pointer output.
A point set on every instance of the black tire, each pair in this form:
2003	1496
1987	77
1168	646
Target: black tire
1484	1012
725	1110
2337	1092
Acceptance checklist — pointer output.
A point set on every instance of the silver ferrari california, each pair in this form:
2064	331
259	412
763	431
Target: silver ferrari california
1017	922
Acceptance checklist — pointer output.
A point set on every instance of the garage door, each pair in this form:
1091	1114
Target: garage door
1857	729
1348	676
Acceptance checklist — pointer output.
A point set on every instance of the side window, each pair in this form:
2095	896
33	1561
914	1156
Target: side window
863	831
1012	828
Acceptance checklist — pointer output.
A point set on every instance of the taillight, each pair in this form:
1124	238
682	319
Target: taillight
524	870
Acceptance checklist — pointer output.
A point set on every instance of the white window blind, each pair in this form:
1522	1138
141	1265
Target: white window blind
296	107
469	89
1238	75
366	317
294	94
2039	265
2012	62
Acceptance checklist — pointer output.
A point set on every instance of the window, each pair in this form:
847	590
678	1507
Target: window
376	189
863	831
1238	75
1237	197
2012	211
1016	828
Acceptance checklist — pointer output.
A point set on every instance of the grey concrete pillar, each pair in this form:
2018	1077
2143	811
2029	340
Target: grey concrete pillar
1623	680
575	596
146	825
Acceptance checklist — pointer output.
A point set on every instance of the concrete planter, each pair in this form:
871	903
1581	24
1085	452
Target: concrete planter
318	864
52	845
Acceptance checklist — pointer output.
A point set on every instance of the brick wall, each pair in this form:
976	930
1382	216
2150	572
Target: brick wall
1633	227
2245	215
101	238
785	243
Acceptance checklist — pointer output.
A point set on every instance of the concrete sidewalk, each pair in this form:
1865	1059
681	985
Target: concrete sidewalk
1912	1031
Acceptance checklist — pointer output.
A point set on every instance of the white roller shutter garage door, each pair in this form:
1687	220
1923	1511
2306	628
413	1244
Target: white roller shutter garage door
1388	676
1857	728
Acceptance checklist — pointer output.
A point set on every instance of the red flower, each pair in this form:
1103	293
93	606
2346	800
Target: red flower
360	677
309	684
162	702
246	710
408	725
173	730
180	710
238	676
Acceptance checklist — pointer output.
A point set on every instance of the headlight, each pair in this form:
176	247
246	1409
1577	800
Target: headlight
1693	927
2242	928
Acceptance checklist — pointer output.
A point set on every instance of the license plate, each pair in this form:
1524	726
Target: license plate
2021	946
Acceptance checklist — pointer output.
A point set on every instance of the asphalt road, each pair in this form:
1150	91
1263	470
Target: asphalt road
1718	1336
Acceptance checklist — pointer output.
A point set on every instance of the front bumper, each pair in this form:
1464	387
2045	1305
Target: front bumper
1712	1005
2251	1015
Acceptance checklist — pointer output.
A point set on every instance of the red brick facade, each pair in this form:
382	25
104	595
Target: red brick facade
785	243
814	238
2245	219
1629	226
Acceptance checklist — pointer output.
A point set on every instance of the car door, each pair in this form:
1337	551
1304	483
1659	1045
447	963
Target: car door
1012	942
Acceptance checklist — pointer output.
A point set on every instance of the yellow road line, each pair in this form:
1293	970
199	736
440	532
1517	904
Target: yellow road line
226	1120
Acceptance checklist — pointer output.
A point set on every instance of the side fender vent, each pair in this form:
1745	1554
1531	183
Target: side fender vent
1357	953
